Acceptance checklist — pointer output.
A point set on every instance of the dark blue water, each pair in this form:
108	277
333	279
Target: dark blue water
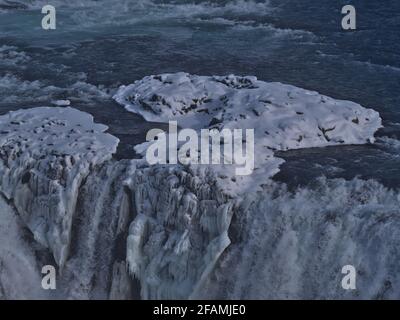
99	45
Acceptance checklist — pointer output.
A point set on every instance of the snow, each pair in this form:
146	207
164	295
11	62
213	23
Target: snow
284	117
45	155
61	103
183	233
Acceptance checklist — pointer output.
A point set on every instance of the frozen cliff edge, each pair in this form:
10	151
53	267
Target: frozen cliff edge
45	155
57	170
19	267
180	230
177	222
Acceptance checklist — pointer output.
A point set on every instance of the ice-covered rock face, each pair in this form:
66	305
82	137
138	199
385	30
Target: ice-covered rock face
55	169
19	268
283	117
45	154
180	230
177	222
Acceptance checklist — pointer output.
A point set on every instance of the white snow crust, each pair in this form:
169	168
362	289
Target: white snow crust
283	117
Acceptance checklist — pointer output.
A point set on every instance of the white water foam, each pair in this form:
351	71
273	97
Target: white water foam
294	245
15	90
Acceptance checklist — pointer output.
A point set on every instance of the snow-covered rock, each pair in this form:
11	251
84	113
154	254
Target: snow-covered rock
56	169
283	117
45	155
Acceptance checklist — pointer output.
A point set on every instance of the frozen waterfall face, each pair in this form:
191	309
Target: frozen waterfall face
46	153
179	233
125	229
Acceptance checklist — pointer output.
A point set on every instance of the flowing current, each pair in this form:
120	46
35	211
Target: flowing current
129	234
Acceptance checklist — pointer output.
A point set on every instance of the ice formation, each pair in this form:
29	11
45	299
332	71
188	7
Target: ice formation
57	170
45	155
19	268
175	229
180	230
